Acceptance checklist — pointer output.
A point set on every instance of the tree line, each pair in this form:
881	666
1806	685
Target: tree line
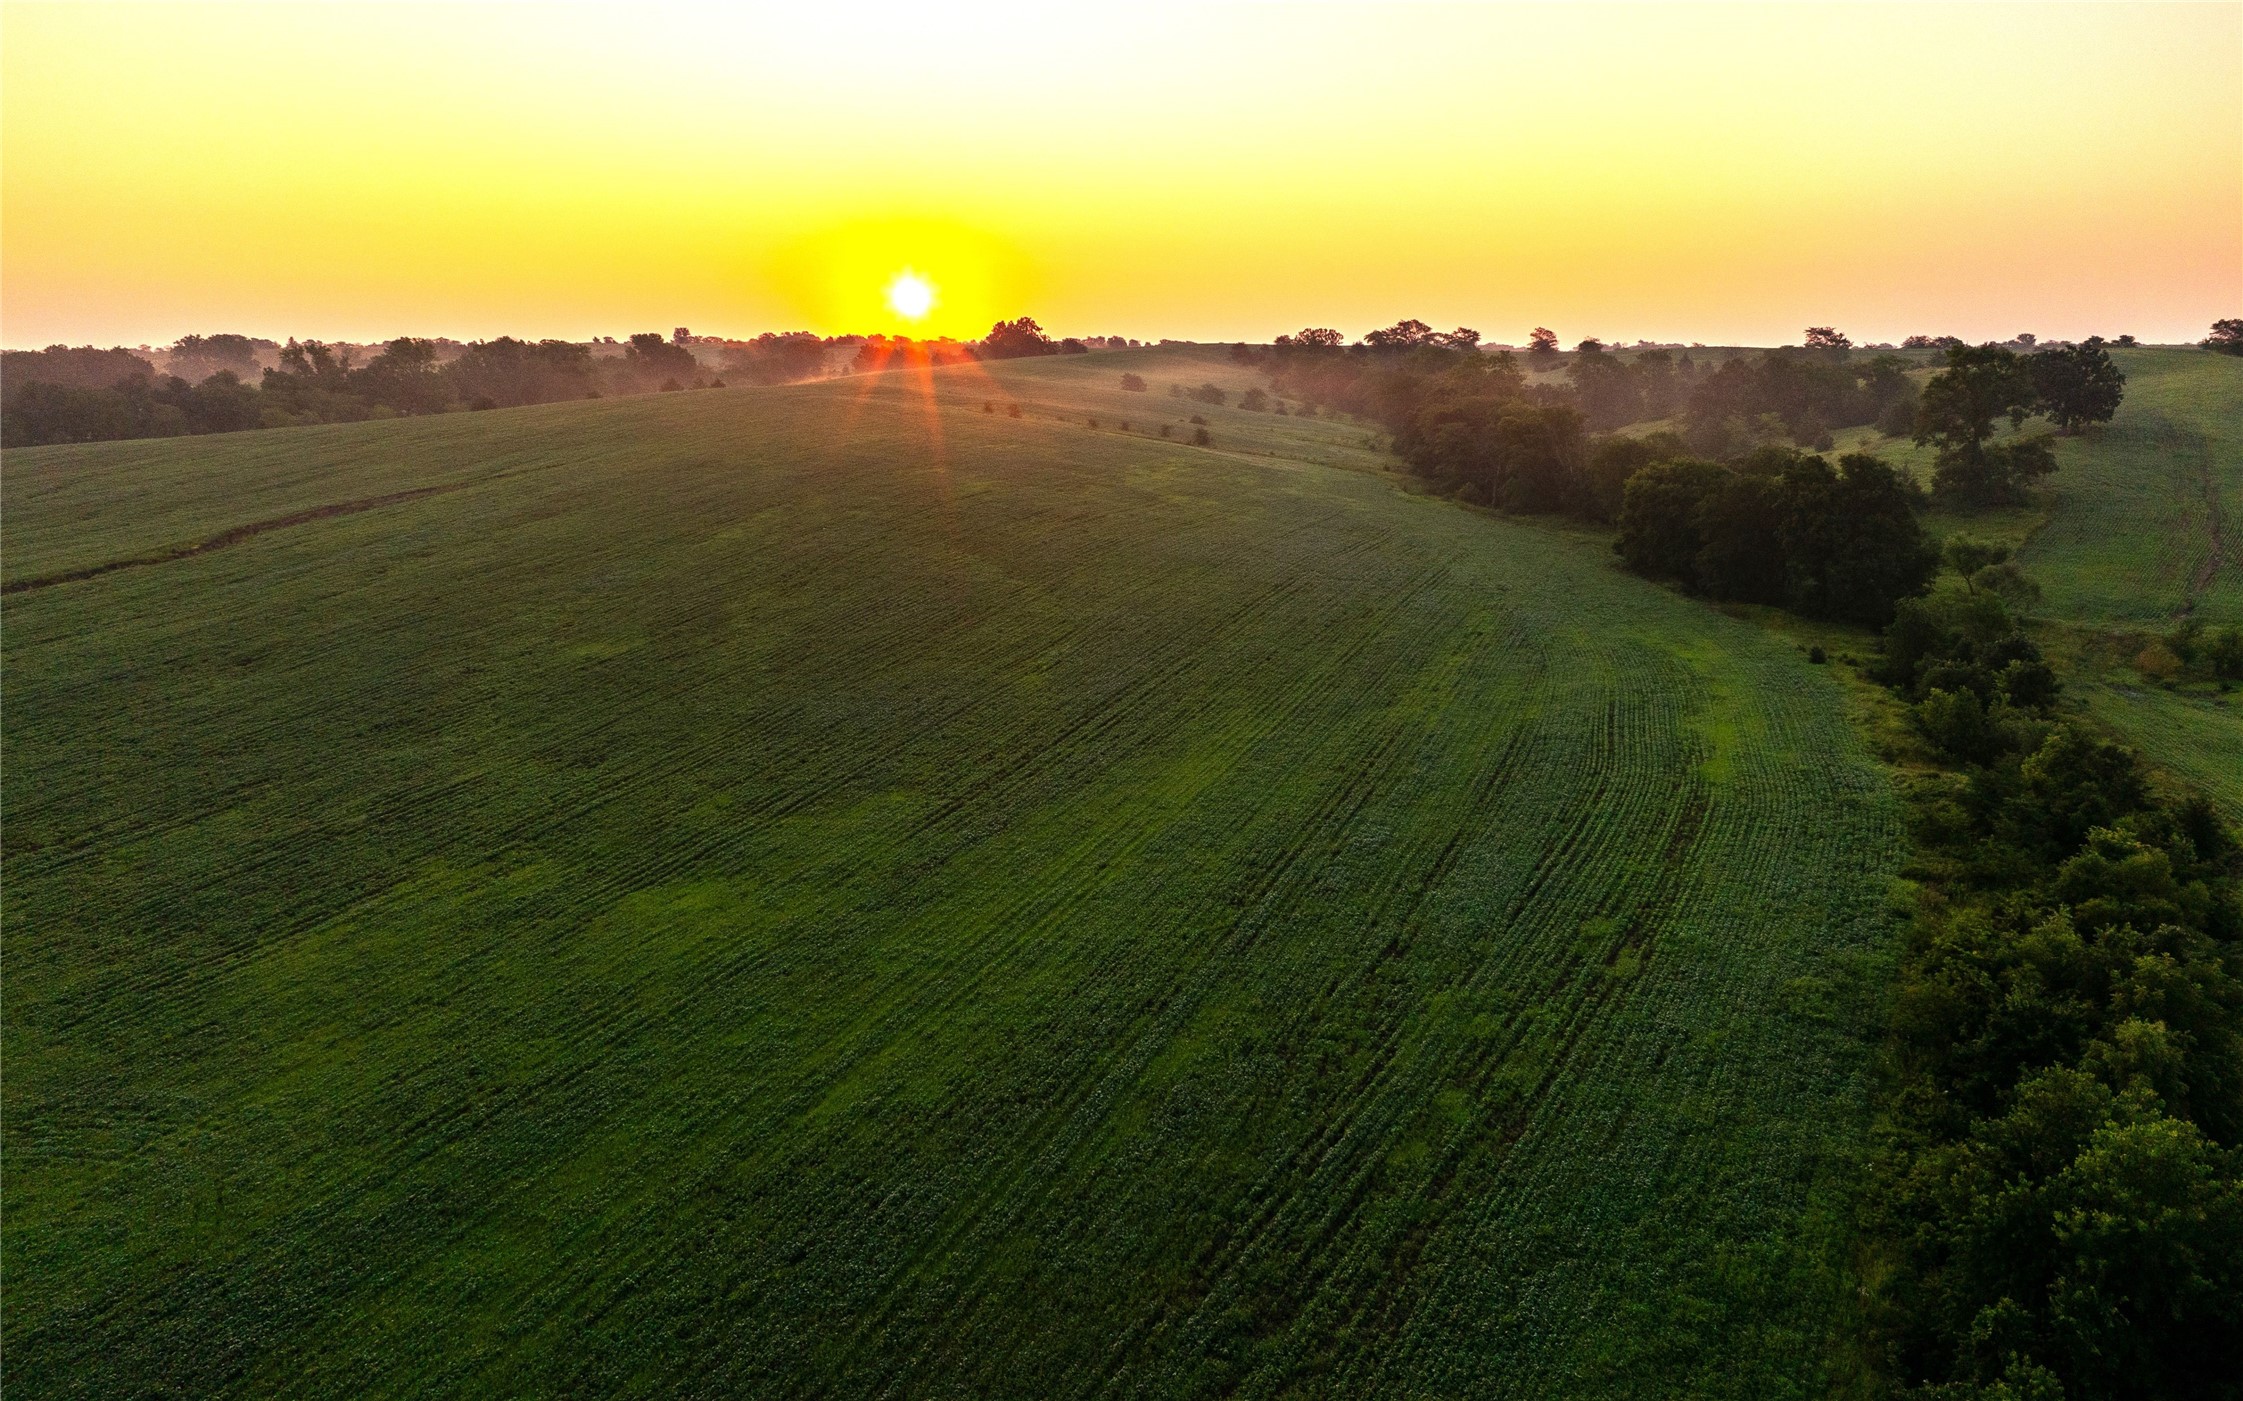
65	394
1771	525
220	383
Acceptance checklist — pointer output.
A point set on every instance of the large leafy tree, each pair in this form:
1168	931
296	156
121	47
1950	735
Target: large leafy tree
2077	384
1011	340
1981	385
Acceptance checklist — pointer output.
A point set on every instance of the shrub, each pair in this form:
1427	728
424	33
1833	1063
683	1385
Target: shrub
1135	384
2158	661
1201	437
2223	653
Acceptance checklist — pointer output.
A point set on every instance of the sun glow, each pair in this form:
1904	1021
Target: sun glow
911	296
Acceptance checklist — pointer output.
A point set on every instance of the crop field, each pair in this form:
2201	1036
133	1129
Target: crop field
832	891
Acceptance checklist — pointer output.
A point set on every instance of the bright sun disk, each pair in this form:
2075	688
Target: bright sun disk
911	296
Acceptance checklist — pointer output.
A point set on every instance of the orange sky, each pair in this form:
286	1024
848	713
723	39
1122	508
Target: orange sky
1718	173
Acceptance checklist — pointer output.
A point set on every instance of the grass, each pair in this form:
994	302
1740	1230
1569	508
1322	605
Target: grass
2136	531
797	892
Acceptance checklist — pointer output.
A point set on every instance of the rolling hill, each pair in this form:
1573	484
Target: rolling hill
839	890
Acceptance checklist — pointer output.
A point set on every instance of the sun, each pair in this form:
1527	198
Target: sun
911	296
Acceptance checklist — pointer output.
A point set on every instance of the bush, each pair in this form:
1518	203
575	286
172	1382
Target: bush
1210	394
2223	654
2158	662
1202	438
1135	384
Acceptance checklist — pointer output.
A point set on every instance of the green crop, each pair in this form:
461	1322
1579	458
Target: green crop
802	892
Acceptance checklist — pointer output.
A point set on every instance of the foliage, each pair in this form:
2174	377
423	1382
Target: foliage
1806	393
1012	340
1982	385
773	358
2227	336
197	358
2059	1193
2076	384
72	367
2058	1197
504	372
1781	528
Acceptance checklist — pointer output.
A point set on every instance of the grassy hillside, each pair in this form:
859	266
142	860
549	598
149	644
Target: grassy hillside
827	891
2139	530
2142	534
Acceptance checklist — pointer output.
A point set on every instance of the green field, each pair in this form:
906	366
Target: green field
822	891
2144	532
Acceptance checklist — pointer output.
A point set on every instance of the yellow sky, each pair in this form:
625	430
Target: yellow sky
1724	173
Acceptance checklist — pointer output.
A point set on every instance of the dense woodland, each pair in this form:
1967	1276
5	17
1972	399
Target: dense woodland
2058	1202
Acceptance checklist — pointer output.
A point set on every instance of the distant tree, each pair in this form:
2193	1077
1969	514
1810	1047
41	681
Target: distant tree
2026	339
2077	384
404	377
785	357
1202	438
1210	394
1980	386
77	367
2128	341
1402	335
1610	394
2226	337
1012	340
1072	346
1462	338
1827	338
1135	384
1319	338
651	360
507	371
1542	345
1254	400
1591	346
197	358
